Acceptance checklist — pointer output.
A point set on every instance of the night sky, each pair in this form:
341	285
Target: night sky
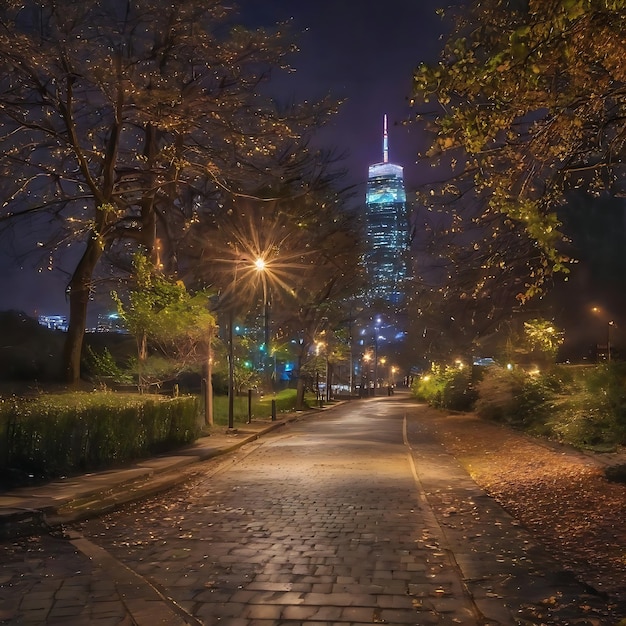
362	52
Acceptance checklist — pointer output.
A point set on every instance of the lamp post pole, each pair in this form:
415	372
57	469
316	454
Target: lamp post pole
231	372
267	337
208	391
365	374
376	332
261	266
599	311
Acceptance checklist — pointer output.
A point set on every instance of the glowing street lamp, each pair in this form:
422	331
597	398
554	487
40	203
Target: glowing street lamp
367	357
258	247
383	362
261	266
376	334
394	371
609	325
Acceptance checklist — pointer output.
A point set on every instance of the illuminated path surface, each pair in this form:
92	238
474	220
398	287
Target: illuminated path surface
353	516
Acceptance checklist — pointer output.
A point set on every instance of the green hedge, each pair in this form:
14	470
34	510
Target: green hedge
446	387
52	436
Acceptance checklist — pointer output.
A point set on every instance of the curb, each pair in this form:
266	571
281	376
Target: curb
115	489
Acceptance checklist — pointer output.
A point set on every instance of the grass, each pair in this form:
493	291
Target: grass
261	406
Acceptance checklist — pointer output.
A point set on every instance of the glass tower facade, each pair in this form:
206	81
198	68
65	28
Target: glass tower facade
386	221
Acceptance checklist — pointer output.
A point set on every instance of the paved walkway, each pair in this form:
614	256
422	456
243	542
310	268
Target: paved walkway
324	544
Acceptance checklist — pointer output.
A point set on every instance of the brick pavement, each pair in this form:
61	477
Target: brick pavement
342	518
311	528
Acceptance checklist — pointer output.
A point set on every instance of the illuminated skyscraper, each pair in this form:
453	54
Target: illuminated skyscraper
386	229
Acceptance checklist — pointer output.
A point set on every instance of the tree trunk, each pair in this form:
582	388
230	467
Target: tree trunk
142	354
329	381
79	289
300	394
300	386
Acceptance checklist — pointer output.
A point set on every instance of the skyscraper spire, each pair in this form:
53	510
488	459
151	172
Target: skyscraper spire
385	257
385	141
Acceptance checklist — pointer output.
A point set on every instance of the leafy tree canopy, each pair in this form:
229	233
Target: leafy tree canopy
543	336
530	97
161	312
121	120
310	249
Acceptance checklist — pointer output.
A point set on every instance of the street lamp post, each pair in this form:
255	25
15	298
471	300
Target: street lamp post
261	266
610	324
365	380
231	372
383	376
376	331
208	388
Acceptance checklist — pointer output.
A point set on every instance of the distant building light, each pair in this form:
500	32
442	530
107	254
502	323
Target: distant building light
387	229
110	323
484	361
54	322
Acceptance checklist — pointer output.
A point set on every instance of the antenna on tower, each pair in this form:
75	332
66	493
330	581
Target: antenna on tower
385	141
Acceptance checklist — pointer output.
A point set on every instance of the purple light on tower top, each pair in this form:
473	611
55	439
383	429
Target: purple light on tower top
385	141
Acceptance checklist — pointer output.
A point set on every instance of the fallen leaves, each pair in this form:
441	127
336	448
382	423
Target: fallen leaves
561	495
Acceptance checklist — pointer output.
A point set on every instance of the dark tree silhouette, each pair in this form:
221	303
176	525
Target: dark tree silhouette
116	116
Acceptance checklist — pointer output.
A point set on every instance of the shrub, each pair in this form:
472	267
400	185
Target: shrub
446	387
582	422
54	435
512	396
591	410
582	406
103	368
429	388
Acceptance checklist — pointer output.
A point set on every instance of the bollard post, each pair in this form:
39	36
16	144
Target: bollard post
249	406
273	410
